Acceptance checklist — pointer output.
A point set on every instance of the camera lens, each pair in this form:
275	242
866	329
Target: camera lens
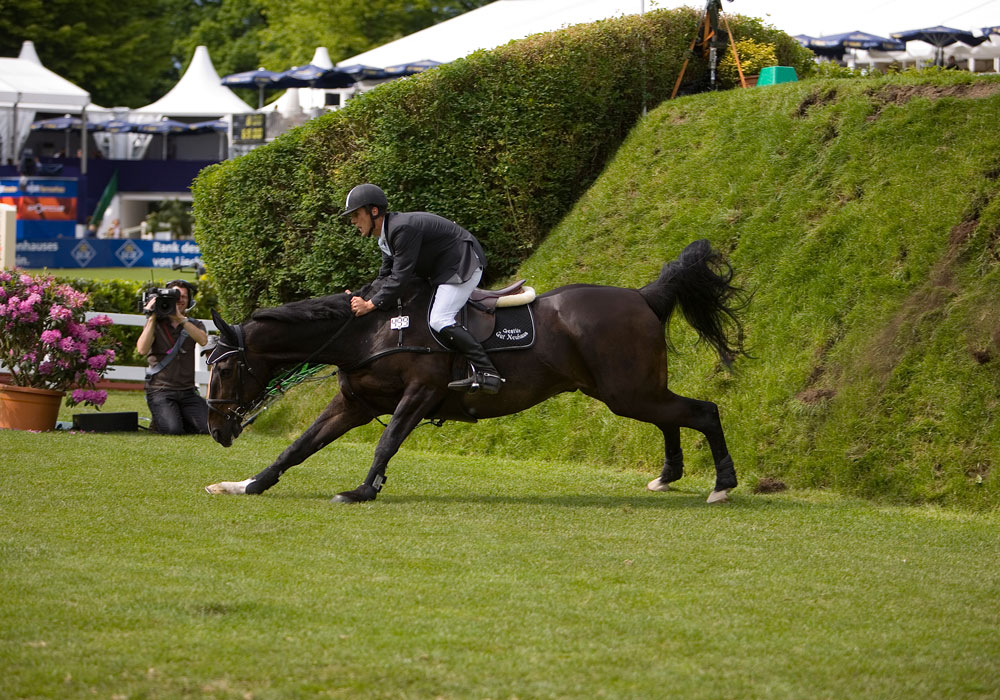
165	306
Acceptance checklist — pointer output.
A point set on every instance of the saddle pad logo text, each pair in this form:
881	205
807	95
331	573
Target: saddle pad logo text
510	334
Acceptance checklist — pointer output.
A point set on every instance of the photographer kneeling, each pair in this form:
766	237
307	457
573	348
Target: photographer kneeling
167	341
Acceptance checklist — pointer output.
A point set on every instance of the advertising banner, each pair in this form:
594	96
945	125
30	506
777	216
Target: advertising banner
46	207
107	252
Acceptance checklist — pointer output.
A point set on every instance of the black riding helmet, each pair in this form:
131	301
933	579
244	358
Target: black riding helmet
190	289
366	195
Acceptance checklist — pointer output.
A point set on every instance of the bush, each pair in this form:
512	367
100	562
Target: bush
829	70
503	142
753	57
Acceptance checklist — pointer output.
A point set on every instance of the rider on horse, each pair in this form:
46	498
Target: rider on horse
429	246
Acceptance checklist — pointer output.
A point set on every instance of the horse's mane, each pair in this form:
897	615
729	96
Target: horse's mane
336	307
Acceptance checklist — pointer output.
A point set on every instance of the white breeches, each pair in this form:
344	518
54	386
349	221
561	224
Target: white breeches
449	300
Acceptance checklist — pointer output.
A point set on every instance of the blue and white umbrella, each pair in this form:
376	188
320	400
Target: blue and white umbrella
939	37
218	126
310	76
262	79
61	124
164	127
117	126
65	124
412	68
837	44
362	72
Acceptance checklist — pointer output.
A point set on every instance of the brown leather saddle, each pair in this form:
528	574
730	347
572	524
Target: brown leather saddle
479	314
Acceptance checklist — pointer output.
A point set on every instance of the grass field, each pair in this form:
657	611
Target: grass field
557	575
470	577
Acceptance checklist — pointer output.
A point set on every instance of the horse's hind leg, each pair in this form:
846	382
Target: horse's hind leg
673	463
671	412
703	416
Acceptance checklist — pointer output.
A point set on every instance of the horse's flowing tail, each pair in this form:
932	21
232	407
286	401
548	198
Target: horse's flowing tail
700	281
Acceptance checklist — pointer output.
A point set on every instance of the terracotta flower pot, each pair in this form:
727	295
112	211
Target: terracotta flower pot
27	408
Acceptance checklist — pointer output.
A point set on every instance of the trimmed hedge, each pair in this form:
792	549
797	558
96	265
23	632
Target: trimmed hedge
503	141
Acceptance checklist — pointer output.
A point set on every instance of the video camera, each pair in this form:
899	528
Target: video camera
166	301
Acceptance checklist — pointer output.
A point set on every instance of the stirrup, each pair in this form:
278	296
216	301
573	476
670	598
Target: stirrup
486	382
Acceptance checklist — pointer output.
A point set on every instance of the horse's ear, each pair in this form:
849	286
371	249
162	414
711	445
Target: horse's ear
224	328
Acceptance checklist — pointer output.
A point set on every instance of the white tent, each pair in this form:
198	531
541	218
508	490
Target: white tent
28	87
199	93
881	60
984	58
493	25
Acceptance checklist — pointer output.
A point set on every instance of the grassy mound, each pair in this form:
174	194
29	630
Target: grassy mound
864	216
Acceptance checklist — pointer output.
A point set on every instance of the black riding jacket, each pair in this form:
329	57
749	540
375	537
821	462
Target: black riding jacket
424	245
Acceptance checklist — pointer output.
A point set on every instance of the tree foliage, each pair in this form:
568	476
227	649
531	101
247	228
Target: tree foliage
122	53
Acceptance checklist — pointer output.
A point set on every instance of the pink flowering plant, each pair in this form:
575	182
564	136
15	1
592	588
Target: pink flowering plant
46	341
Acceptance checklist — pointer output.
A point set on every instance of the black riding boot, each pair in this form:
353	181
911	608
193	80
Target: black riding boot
485	376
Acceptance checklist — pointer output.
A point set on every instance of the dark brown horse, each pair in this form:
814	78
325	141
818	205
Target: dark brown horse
607	342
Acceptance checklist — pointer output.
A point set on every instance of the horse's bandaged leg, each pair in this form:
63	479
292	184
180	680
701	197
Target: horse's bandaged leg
658	484
230	487
719	496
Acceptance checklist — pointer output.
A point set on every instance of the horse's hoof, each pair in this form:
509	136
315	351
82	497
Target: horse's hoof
359	495
719	496
230	487
658	485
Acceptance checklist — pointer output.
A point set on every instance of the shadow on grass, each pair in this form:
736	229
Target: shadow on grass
674	500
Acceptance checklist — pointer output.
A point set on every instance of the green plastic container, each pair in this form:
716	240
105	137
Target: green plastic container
772	75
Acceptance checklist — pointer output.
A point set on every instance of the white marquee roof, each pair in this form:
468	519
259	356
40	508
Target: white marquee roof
25	81
199	93
493	25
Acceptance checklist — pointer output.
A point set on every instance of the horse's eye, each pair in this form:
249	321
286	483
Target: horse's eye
224	372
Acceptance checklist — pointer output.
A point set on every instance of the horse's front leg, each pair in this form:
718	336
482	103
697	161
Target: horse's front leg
339	416
416	403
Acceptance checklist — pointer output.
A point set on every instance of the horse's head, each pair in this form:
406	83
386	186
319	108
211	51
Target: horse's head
237	383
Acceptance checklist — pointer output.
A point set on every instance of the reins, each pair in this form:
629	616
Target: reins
277	387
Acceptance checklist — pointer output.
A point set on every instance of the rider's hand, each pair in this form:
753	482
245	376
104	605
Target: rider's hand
360	306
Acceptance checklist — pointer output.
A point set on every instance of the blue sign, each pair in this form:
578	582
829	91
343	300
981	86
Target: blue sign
107	252
38	187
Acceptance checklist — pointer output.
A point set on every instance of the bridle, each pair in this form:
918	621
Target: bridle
269	392
238	412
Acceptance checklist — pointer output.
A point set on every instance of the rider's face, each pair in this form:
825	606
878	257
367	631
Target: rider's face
362	220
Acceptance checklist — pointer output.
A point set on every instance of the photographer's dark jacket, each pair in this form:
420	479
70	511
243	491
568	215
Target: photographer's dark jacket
423	245
179	374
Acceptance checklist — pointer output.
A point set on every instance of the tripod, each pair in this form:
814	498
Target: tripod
708	32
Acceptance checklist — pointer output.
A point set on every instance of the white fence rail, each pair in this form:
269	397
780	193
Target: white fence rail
138	374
